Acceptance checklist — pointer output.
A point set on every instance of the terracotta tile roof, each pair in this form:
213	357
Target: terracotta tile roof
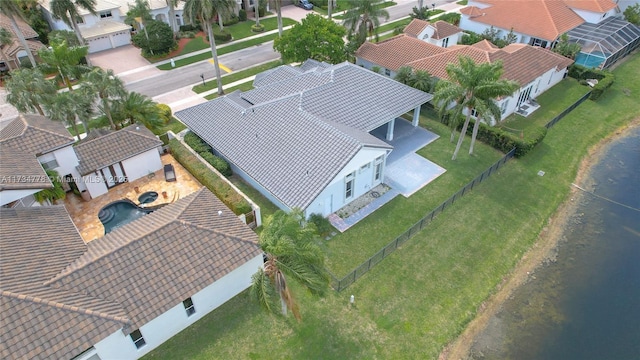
174	252
444	29
397	51
544	19
39	322
26	30
485	45
436	65
599	6
59	296
21	170
114	147
415	27
35	134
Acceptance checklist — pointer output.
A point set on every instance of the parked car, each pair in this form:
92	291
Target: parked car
305	4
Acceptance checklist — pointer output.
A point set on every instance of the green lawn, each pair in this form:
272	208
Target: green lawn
242	87
236	75
174	125
392	25
422	296
267	208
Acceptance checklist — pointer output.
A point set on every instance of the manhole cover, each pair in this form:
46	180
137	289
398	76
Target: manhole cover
375	194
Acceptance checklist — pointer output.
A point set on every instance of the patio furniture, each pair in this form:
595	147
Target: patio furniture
169	173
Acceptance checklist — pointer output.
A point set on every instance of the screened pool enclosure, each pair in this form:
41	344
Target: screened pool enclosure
604	43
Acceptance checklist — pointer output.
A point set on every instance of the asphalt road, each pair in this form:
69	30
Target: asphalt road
171	80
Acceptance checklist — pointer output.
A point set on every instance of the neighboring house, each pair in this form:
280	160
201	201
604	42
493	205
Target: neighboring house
47	141
15	52
440	33
21	176
114	157
120	296
301	137
534	68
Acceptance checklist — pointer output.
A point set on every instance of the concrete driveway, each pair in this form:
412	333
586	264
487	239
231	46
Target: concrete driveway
126	62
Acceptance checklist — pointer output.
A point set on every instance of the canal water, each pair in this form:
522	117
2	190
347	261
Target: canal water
584	302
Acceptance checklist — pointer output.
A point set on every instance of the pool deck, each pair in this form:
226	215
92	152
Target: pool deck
85	213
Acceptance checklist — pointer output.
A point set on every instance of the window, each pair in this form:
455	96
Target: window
474	113
348	185
188	306
137	338
445	42
377	174
105	14
79	20
50	164
365	167
387	72
503	107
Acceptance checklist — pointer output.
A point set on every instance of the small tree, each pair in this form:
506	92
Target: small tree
491	34
422	14
28	90
421	80
53	194
632	14
314	38
64	60
404	75
566	48
160	40
510	38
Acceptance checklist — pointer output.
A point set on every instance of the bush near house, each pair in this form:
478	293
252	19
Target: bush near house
605	79
196	143
208	178
203	149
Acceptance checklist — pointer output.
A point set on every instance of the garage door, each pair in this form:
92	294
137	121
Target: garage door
99	44
121	38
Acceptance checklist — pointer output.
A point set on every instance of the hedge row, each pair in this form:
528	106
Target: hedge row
208	178
203	149
605	79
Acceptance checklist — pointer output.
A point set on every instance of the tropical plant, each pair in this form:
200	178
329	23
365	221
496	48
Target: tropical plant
510	37
419	13
11	8
313	38
404	75
138	15
205	11
108	88
6	39
28	90
172	15
566	48
66	35
34	16
363	19
64	60
278	5
135	107
52	194
160	40
421	80
67	10
471	86
63	107
292	250
632	14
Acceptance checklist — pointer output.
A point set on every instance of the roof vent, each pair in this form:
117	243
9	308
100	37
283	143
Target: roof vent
219	212
137	127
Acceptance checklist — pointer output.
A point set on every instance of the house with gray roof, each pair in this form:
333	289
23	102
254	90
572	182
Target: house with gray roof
120	296
302	136
115	157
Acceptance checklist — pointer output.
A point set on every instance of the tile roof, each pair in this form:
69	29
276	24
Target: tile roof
114	147
415	27
35	134
103	27
397	51
522	63
26	30
21	170
311	64
59	296
444	29
544	19
174	252
599	6
305	129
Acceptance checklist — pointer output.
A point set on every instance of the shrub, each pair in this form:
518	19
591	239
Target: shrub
186	34
217	162
451	18
242	15
470	38
223	36
257	28
323	225
190	27
232	20
164	138
209	179
165	112
605	79
196	143
602	85
161	39
398	30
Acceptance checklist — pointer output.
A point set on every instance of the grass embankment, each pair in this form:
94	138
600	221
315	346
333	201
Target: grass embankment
422	296
236	75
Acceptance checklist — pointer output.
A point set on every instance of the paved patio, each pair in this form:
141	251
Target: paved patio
85	213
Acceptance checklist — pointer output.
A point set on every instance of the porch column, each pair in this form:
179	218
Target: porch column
416	116
390	126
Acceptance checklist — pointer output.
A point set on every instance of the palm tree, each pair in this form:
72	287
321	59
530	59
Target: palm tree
421	80
28	90
64	60
11	8
136	107
278	5
107	86
472	86
63	108
329	8
67	11
138	15
292	251
52	194
205	11
172	15
404	75
6	39
363	18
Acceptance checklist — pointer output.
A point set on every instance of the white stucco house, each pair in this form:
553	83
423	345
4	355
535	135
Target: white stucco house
122	295
535	22
301	137
439	33
108	158
32	144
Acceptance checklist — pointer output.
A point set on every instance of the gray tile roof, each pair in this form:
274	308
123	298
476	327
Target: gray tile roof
35	134
114	147
21	170
311	64
60	296
274	75
290	151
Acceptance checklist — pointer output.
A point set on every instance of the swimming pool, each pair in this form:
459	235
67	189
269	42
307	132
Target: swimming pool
591	60
119	213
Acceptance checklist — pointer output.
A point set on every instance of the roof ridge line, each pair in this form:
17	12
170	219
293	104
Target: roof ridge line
200	227
77	309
